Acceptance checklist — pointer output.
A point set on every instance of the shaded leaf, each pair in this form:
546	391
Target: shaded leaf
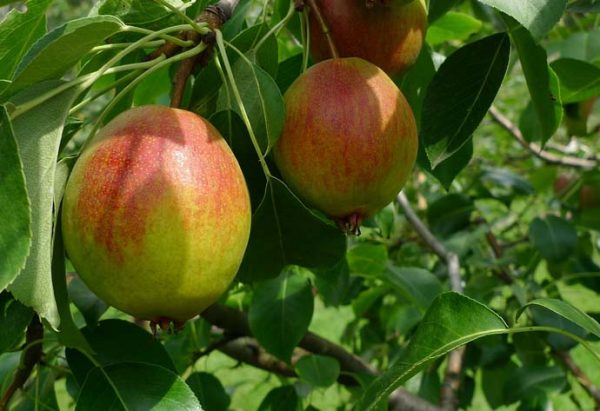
318	370
367	259
209	390
541	80
450	213
14	319
470	78
86	301
281	399
415	284
285	232
18	32
554	237
15	232
281	311
578	80
261	99
118	341
451	321
532	381
567	311
119	387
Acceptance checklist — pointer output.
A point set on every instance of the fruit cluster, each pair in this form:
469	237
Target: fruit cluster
156	214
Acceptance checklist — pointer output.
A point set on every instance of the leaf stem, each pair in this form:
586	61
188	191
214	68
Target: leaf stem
324	28
163	33
276	28
238	98
113	46
103	91
197	27
182	56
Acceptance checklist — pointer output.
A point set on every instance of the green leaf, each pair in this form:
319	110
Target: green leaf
15	232
18	32
40	395
451	321
261	99
209	391
135	386
231	126
318	370
450	213
437	8
470	78
38	133
537	16
450	168
281	399
86	301
281	312
579	80
542	82
584	6
580	45
415	284
137	12
285	232
14	319
367	259
554	237
117	341
532	381
59	50
452	26
566	311
69	335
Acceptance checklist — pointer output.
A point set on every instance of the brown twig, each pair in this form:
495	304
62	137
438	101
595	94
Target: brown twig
502	273
29	358
452	377
315	9
236	323
586	383
536	149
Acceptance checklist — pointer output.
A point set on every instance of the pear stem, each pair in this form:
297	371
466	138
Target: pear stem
315	9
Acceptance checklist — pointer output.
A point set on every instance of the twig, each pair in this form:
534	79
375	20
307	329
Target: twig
536	149
438	248
583	379
498	251
29	358
448	398
324	28
236	323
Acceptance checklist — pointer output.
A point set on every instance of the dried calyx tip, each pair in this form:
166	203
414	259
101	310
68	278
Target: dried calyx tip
350	224
165	325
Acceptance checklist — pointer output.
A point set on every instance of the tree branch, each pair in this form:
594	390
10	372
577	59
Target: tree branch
324	27
578	373
448	399
29	358
536	149
236	323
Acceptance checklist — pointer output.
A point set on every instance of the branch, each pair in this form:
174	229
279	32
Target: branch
448	399
536	149
324	28
32	353
502	273
583	379
236	323
451	259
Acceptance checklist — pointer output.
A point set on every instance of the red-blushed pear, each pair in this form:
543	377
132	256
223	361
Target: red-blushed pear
156	214
349	141
388	33
589	197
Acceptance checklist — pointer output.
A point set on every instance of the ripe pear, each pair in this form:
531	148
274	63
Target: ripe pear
389	33
156	214
349	140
